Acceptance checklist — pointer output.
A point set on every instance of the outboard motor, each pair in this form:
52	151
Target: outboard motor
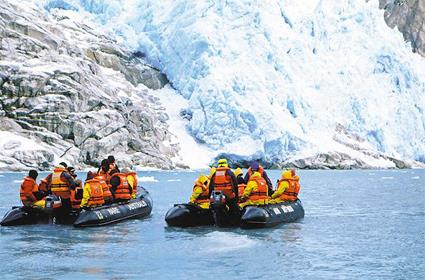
223	216
53	203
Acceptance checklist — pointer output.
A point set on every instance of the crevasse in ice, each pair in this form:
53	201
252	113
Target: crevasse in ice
274	78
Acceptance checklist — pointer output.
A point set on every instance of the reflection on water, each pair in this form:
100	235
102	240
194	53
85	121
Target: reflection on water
358	225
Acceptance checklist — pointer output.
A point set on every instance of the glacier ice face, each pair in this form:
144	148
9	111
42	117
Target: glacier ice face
284	74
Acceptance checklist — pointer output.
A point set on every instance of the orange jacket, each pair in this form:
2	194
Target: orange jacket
223	182
261	192
28	186
59	186
96	193
290	193
123	190
107	195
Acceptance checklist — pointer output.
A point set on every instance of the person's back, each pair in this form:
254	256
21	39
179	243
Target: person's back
241	181
225	181
93	192
256	191
200	193
120	188
255	166
288	187
29	192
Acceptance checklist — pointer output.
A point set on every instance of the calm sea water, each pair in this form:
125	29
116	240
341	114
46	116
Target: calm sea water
358	225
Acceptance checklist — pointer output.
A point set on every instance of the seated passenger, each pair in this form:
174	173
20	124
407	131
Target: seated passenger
93	192
224	180
256	191
77	193
200	194
257	167
61	184
132	181
241	181
29	193
120	188
288	187
112	164
104	170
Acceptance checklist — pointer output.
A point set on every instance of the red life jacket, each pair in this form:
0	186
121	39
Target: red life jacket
291	193
123	189
204	196
107	195
96	193
260	170
223	182
262	190
28	186
58	185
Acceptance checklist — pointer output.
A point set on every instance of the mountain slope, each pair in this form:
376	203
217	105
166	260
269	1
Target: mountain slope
68	92
275	80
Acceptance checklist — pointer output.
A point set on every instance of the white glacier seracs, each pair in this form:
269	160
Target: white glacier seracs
277	80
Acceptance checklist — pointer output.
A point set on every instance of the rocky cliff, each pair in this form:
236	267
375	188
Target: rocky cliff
409	17
70	93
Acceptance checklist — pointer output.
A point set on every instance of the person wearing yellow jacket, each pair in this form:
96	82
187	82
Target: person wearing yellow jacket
287	189
256	191
200	193
132	181
92	192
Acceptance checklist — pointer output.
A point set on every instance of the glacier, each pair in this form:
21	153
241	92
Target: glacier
278	80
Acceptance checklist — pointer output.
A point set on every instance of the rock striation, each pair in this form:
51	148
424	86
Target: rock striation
68	92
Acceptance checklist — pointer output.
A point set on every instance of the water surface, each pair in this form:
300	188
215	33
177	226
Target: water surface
358	225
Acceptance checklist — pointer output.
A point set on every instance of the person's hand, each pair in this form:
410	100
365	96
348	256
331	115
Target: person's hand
243	198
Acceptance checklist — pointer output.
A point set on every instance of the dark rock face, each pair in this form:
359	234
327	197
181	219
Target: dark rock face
75	94
409	17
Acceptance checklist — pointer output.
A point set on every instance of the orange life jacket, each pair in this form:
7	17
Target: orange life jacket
75	202
44	187
123	189
262	189
291	193
105	175
134	175
241	189
96	193
204	196
260	170
28	186
59	186
223	182
107	195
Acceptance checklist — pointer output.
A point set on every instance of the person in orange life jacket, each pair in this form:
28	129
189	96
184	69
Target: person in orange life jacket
77	193
256	167
241	181
93	192
112	164
200	194
223	179
120	188
255	192
29	193
288	187
61	184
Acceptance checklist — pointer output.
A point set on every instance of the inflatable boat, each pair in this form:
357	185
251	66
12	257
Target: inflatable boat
188	215
98	216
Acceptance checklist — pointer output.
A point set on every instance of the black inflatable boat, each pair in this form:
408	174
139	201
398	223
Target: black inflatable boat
99	216
188	215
